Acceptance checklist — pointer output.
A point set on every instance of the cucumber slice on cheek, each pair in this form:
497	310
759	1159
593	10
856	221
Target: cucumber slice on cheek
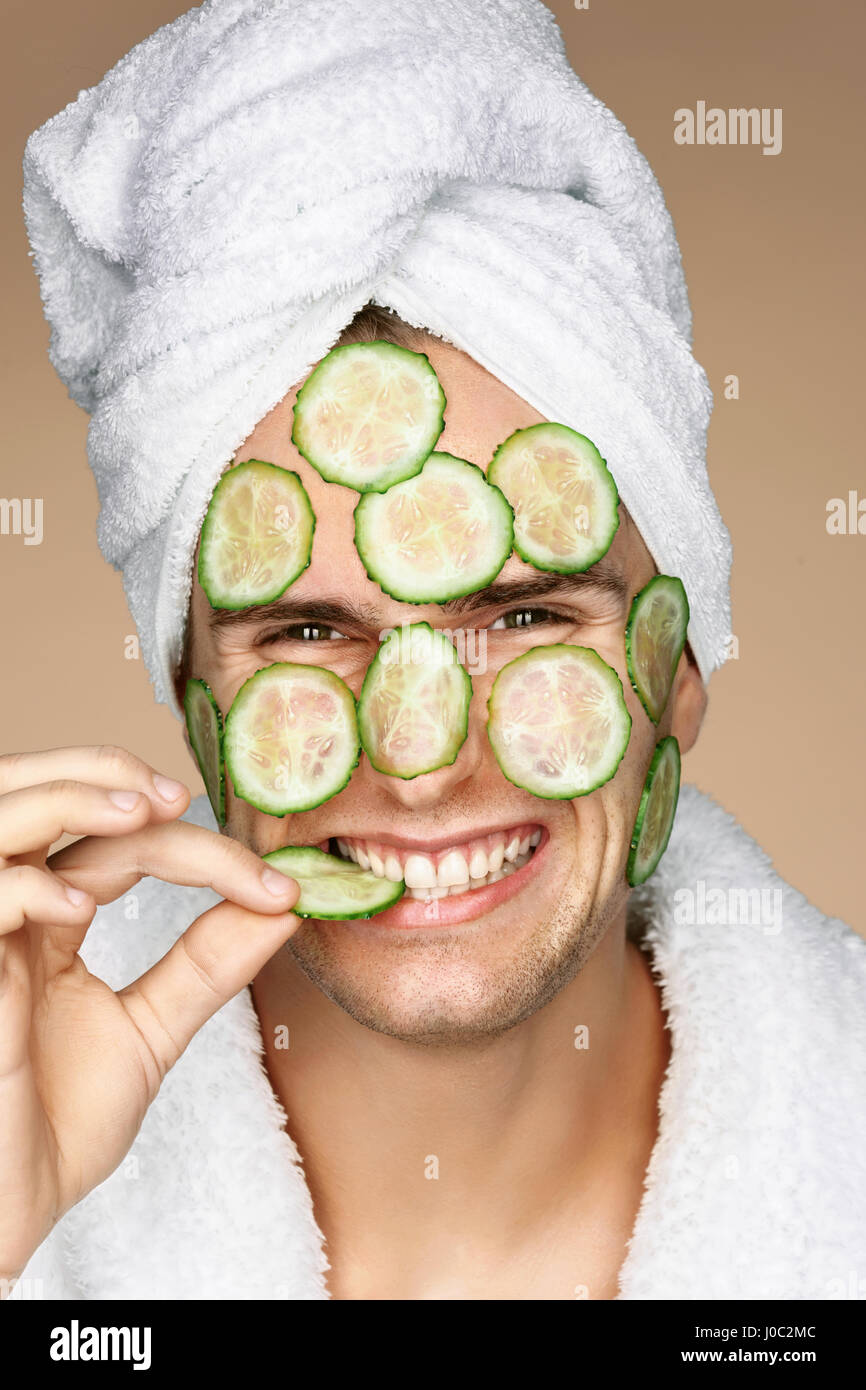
257	536
443	534
291	739
558	722
204	724
564	499
332	888
369	415
655	817
655	636
413	710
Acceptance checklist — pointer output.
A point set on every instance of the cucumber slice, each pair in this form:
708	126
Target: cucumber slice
333	889
204	724
655	817
444	533
291	739
369	415
257	536
413	710
655	635
564	498
558	722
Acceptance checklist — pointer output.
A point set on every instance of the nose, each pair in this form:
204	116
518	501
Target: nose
423	792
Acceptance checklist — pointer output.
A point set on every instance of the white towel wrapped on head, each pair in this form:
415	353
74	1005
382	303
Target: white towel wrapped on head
209	217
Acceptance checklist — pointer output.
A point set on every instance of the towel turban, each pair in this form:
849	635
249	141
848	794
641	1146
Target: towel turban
208	218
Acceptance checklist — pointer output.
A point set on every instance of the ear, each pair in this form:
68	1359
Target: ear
688	703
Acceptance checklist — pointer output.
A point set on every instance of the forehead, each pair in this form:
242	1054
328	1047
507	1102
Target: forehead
480	412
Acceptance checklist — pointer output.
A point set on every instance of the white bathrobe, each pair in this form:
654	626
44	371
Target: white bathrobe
757	1183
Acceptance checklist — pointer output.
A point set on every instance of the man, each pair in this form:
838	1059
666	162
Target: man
548	1087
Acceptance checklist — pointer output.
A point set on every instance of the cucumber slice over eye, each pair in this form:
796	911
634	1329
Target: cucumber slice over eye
257	536
413	710
655	817
291	739
332	888
655	635
564	498
368	415
204	724
558	722
444	533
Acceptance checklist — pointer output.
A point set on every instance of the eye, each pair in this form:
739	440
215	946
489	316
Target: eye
305	632
525	617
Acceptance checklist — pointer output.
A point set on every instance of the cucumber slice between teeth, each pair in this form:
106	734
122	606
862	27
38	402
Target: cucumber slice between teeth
563	495
655	635
257	536
655	817
413	709
558	723
444	533
333	889
204	723
368	415
291	738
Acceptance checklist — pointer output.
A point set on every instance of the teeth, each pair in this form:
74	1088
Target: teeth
454	871
393	868
496	876
495	857
343	848
478	865
534	839
362	857
512	849
376	863
524	845
418	872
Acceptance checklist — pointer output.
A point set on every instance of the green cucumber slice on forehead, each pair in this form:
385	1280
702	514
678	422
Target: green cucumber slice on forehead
558	722
291	738
413	710
655	635
368	415
332	888
257	536
655	817
442	534
563	496
204	723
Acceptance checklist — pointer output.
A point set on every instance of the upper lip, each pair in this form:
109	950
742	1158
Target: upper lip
429	844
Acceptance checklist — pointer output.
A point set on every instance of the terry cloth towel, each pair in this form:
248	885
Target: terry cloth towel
209	217
757	1183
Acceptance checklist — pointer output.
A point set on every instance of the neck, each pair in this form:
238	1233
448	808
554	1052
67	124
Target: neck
419	1146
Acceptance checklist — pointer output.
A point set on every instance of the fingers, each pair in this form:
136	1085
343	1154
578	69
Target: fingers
217	956
176	852
28	894
33	817
100	766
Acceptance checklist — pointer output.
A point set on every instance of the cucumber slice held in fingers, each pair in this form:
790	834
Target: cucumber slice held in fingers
413	710
564	498
655	817
204	724
368	415
332	888
655	635
442	534
291	738
558	722
257	536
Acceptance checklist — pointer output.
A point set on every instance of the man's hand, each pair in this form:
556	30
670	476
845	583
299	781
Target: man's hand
80	1064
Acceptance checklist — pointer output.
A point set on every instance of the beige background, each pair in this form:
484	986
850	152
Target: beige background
773	251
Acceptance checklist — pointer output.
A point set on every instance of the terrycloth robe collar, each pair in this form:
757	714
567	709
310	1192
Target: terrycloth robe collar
756	1183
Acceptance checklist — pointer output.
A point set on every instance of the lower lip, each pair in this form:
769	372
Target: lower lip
461	907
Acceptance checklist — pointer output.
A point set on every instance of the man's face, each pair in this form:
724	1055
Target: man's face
470	963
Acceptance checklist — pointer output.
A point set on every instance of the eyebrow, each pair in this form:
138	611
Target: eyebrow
602	577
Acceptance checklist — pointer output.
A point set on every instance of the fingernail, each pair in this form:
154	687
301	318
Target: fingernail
75	895
127	801
275	883
168	789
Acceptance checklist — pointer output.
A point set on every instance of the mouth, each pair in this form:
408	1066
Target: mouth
453	870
